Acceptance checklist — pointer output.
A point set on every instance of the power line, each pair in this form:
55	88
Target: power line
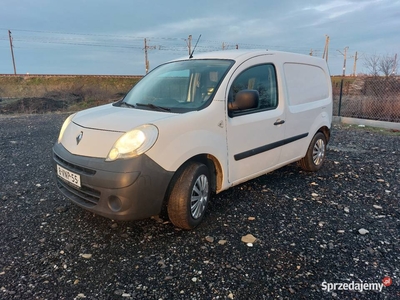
128	42
79	44
215	45
98	35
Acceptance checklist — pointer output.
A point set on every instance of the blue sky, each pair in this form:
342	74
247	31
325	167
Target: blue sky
107	37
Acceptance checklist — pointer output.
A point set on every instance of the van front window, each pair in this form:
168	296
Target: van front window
179	86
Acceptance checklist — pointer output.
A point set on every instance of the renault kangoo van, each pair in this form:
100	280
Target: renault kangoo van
193	127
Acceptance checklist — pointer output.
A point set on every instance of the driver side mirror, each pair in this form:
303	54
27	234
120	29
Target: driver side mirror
245	99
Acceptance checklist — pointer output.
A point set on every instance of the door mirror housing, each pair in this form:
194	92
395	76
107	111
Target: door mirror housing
245	99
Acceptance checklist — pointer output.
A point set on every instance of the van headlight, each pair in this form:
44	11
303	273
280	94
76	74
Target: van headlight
64	127
134	142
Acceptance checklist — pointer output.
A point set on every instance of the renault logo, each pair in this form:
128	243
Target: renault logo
79	137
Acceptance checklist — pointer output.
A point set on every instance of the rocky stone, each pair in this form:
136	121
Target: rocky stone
61	209
209	239
249	238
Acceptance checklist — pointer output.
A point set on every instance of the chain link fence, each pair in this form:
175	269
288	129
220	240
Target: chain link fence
367	97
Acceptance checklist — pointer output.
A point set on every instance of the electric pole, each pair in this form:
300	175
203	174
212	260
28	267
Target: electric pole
355	64
395	65
341	81
189	44
345	57
146	61
326	48
12	52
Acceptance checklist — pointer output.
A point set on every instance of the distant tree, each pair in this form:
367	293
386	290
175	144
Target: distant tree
371	63
381	65
388	65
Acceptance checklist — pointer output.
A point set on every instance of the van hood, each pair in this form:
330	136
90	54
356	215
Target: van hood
114	118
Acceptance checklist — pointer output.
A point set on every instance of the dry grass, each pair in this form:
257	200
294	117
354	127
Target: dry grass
376	98
39	94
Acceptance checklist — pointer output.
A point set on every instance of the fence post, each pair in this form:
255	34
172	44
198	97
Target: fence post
340	96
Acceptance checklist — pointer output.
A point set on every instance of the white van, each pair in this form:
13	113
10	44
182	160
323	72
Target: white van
193	127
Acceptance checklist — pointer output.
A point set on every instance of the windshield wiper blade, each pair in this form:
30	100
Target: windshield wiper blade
152	106
127	104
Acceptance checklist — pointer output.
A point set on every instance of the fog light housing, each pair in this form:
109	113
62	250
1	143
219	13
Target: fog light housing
114	203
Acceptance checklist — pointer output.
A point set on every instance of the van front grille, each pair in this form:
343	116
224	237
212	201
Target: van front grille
73	167
85	196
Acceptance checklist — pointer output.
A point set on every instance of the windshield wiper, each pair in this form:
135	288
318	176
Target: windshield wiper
152	106
127	104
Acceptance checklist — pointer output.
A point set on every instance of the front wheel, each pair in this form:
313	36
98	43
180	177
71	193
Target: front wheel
189	196
315	155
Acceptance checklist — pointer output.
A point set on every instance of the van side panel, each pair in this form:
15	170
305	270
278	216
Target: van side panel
305	83
309	105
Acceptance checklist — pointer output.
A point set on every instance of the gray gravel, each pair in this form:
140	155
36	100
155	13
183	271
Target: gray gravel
339	225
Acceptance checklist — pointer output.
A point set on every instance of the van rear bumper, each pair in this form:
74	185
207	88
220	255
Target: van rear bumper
130	189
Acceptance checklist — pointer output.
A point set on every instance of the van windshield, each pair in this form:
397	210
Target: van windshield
179	86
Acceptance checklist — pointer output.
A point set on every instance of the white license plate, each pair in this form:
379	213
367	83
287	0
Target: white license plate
69	176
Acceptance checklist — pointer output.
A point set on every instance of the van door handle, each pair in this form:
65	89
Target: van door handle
279	122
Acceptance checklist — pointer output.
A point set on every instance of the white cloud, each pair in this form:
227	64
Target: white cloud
339	8
187	25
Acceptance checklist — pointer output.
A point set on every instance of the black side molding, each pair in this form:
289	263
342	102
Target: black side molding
268	147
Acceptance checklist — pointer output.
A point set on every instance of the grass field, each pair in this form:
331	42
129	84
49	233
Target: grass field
38	94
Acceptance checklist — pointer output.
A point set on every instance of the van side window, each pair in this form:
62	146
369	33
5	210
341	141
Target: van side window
260	79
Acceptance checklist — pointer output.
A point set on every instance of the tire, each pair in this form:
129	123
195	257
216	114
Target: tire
189	196
315	155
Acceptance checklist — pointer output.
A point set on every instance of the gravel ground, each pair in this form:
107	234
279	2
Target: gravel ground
340	225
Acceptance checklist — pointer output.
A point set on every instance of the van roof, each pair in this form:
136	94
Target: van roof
246	54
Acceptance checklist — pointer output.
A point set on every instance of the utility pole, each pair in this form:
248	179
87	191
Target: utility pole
341	81
189	44
326	48
146	61
394	65
355	64
345	57
12	52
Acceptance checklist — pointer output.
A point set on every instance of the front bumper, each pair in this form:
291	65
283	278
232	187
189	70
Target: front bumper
130	189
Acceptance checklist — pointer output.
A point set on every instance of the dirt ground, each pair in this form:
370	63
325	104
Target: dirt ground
340	225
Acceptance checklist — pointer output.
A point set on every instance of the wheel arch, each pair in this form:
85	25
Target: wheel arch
214	167
326	132
212	163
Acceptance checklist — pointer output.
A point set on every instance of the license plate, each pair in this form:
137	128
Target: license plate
69	176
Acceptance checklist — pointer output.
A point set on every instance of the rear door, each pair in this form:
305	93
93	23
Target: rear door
254	135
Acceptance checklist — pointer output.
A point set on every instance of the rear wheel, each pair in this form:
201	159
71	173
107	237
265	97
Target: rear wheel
315	154
189	196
